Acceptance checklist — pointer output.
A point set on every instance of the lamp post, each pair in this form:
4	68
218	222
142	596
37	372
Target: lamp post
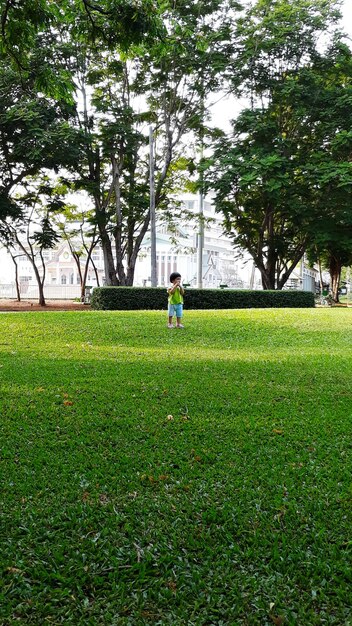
200	240
153	272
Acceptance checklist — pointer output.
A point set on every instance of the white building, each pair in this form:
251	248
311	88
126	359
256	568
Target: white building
62	277
177	249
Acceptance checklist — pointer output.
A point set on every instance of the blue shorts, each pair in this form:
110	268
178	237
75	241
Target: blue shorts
175	309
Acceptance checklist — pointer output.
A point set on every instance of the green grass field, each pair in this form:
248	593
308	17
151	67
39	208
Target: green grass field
176	477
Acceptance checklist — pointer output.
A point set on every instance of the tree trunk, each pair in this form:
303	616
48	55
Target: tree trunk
267	283
266	267
320	277
120	270
78	265
84	280
109	265
130	273
95	272
86	269
283	278
268	278
40	283
16	281
41	294
335	268
134	249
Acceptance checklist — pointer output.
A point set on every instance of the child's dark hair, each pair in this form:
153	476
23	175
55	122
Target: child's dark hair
173	276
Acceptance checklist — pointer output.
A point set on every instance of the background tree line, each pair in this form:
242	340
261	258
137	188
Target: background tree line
81	82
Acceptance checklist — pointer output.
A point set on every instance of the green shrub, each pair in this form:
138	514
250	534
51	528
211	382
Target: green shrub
137	298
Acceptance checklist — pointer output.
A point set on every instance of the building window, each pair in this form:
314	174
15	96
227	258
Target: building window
63	279
96	255
189	205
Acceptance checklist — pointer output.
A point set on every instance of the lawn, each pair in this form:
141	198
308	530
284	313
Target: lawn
176	477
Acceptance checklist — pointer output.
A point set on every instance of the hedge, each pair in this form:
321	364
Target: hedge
136	298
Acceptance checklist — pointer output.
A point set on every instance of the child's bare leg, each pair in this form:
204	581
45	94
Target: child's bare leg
178	321
170	319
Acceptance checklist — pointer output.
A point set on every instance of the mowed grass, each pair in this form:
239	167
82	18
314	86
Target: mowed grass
176	477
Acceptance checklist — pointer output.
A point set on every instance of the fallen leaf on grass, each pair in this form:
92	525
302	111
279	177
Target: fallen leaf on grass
280	515
277	431
153	480
170	417
14	570
278	620
68	403
150	615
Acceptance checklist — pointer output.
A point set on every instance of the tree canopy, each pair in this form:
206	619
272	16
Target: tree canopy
81	83
287	163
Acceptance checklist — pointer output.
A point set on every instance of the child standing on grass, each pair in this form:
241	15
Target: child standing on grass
175	293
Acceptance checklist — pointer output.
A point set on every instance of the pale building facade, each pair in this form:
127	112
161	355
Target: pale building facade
178	250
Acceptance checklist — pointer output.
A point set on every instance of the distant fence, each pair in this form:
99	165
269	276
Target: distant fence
31	292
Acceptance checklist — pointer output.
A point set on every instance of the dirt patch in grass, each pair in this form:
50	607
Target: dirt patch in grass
51	305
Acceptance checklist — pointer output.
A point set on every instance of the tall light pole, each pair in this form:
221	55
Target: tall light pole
200	239
153	272
200	210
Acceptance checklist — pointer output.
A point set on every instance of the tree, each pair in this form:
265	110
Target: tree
75	226
35	134
35	137
263	176
331	241
331	168
334	255
123	56
35	69
163	85
114	22
33	232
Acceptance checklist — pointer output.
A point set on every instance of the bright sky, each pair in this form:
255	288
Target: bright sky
347	16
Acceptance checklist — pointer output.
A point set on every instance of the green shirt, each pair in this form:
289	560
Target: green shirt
176	297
